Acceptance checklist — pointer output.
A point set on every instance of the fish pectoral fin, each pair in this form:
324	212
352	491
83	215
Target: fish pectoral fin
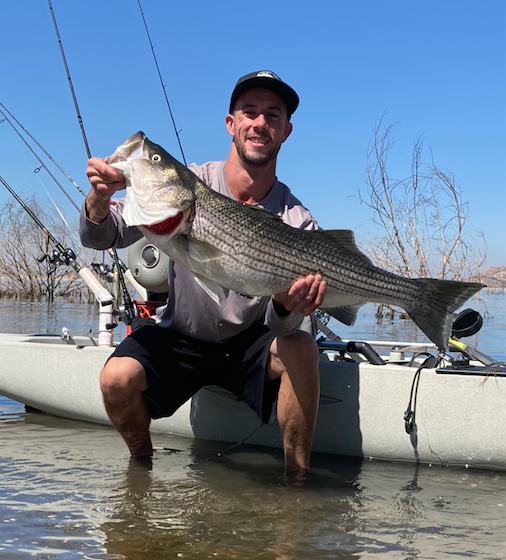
212	289
202	252
344	238
346	314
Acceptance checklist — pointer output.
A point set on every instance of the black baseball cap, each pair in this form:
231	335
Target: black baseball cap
269	80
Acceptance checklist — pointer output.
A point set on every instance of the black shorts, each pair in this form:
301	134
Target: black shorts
178	366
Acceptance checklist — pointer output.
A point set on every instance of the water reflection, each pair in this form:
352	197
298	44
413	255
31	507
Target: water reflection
70	490
231	506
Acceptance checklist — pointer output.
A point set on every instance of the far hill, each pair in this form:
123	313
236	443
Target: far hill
494	277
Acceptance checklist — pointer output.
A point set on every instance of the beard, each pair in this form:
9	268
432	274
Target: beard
256	159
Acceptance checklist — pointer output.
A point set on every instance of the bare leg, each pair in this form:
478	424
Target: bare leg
295	359
122	381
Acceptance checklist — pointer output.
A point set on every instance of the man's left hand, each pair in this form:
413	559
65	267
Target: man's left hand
305	295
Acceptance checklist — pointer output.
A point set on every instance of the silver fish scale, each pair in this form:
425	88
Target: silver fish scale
262	250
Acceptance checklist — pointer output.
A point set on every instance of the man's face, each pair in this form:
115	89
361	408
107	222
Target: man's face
259	125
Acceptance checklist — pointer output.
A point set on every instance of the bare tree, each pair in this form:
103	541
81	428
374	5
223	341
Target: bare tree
22	241
423	217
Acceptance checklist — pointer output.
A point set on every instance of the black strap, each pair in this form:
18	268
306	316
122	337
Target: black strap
409	415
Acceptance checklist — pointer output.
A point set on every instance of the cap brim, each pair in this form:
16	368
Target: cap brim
287	94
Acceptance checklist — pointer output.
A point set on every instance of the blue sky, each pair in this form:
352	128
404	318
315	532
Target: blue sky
435	68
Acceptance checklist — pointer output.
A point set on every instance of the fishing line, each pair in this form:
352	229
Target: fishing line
161	82
43	149
39	160
36	171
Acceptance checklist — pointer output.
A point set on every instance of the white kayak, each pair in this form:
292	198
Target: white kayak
459	410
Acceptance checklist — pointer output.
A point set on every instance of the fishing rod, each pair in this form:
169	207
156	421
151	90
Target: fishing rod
130	310
161	82
6	119
121	263
42	148
60	255
105	273
76	105
63	255
66	256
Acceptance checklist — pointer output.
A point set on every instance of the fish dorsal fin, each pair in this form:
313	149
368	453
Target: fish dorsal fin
344	238
202	252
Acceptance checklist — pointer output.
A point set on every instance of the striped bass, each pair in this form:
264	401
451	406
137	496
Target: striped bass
250	250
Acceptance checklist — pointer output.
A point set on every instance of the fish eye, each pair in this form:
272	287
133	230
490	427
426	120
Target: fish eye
156	158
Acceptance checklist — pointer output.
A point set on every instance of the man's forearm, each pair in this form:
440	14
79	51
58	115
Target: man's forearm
97	207
110	232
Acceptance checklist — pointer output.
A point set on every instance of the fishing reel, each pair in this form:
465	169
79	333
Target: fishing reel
125	314
111	275
104	271
58	257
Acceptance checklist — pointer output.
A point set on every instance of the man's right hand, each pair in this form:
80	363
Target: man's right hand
105	181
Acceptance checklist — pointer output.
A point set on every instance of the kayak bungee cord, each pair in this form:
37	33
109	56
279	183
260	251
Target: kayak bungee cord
410	413
130	310
163	85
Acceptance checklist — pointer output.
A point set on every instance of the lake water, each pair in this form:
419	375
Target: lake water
68	489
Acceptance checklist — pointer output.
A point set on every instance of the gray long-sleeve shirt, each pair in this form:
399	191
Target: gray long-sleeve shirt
189	309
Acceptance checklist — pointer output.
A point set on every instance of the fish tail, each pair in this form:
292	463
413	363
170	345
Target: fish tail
433	309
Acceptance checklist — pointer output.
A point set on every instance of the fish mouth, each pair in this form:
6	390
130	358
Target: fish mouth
132	147
167	226
156	199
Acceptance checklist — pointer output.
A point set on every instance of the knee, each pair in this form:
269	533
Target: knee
300	345
122	376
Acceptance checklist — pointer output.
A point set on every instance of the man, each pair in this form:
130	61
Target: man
250	346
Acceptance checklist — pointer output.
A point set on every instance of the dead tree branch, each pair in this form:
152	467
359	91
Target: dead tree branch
422	216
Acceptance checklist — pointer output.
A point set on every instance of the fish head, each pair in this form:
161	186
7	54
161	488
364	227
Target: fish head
160	192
